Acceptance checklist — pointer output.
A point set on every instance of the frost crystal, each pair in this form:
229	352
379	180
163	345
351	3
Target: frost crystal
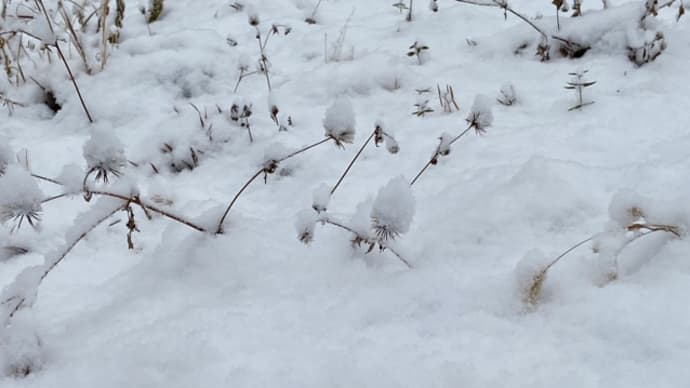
104	154
20	198
339	121
393	209
480	117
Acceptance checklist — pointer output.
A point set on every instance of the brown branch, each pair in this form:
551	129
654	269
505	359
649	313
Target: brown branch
219	230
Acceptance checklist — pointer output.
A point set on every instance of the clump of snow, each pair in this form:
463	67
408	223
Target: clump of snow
104	154
305	225
339	121
71	177
360	221
444	146
20	197
5	155
480	116
21	352
393	209
322	196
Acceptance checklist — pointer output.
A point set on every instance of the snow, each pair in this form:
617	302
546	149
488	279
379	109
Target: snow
6	155
254	306
104	152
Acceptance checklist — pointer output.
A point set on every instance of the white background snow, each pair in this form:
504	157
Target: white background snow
254	307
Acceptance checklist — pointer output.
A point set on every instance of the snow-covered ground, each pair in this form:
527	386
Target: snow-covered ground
254	307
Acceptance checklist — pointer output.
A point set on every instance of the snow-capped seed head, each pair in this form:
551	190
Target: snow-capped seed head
507	95
5	155
105	155
530	274
381	136
252	15
322	196
20	198
273	154
393	209
339	122
480	117
305	225
444	147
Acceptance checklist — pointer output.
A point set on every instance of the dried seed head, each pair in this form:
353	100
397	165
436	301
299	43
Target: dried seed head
105	155
20	198
339	122
480	117
305	225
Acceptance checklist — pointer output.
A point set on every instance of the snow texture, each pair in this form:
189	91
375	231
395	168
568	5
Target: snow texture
104	152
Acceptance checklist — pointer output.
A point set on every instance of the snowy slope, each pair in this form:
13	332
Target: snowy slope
254	307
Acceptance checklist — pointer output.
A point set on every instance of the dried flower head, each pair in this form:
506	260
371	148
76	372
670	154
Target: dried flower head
306	225
105	155
339	122
20	198
480	117
381	136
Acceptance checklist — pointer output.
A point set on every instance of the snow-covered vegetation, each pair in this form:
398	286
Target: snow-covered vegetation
318	193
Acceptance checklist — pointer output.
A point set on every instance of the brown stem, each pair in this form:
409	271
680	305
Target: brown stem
146	206
219	230
256	175
438	153
507	8
352	162
74	82
307	148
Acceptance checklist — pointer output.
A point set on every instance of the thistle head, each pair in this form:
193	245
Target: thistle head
480	117
105	155
339	122
20	198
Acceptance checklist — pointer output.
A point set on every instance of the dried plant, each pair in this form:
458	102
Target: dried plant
418	50
312	18
422	108
507	95
578	83
155	11
447	99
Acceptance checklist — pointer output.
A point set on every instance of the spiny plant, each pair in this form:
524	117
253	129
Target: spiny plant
263	39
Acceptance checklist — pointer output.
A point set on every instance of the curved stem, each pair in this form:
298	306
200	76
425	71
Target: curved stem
62	254
307	148
219	230
556	260
352	162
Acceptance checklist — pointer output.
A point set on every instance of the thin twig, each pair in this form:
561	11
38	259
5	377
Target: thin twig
352	162
219	230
